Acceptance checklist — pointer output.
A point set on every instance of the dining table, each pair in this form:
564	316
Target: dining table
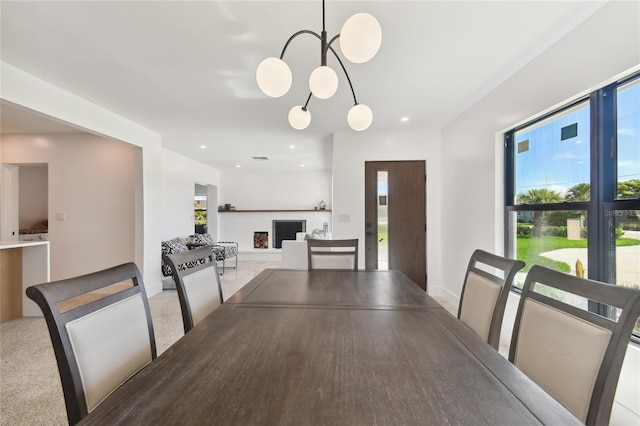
330	347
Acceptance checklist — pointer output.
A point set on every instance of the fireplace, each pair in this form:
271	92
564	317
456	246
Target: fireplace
286	230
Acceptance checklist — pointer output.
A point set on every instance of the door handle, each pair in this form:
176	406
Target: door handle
369	234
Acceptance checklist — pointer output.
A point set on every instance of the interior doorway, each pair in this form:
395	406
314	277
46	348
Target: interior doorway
200	209
24	202
205	210
395	218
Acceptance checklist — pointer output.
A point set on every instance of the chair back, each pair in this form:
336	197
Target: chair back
101	330
484	293
332	254
195	273
571	351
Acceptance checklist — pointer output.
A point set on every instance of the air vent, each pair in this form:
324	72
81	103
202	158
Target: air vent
260	158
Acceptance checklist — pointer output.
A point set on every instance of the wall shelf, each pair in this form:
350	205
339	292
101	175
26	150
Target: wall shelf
270	211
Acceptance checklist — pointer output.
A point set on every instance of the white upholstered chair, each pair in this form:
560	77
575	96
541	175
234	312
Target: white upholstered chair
195	273
101	330
332	254
484	293
573	353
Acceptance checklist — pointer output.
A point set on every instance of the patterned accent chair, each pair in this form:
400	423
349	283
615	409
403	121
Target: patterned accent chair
174	246
223	250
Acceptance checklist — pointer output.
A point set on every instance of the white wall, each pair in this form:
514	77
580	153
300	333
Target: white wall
92	183
351	150
604	46
273	190
179	176
34	195
472	144
151	223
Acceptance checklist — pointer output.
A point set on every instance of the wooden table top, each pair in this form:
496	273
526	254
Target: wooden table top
347	289
320	347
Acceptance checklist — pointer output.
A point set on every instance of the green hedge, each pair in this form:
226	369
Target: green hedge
547	230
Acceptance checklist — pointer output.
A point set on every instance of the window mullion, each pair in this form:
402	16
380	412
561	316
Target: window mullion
603	133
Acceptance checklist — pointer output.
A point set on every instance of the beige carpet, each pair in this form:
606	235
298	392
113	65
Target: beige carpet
30	389
31	392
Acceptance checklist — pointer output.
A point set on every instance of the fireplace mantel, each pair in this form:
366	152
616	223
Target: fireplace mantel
270	211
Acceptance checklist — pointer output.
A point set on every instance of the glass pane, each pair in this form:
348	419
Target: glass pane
552	158
383	220
200	213
627	229
626	224
555	239
628	148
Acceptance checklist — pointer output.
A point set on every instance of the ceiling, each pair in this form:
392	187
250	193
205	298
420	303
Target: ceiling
186	69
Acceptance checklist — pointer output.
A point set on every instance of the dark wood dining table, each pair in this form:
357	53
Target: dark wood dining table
330	348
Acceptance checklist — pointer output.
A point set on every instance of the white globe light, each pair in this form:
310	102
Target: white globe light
323	82
360	117
299	118
360	38
274	77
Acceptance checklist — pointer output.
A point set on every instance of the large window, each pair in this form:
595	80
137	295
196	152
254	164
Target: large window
572	189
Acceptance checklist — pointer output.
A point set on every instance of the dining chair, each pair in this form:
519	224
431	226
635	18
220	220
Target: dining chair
101	331
484	293
332	254
574	353
195	273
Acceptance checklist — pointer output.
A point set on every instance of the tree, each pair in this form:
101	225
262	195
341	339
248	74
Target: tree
629	189
538	196
579	192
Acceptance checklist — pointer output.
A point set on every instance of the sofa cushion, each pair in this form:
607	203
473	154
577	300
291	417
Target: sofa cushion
176	245
202	239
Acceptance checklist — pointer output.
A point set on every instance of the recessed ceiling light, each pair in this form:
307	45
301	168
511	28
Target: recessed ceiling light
404	119
578	141
292	146
238	165
203	147
301	165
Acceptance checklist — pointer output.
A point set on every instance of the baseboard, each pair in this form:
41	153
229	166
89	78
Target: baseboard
443	292
271	255
153	288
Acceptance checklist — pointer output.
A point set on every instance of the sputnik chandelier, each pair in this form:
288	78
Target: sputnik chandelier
360	40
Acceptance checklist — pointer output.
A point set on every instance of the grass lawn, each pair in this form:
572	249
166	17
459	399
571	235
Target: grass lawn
529	249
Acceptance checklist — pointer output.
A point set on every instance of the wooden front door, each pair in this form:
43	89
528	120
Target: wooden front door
397	190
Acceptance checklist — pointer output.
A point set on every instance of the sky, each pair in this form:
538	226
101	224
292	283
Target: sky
555	164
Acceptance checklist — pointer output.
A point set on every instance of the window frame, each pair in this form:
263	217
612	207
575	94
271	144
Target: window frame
602	180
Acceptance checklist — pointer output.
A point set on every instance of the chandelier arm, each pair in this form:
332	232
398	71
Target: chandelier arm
355	102
304	108
296	35
335	37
